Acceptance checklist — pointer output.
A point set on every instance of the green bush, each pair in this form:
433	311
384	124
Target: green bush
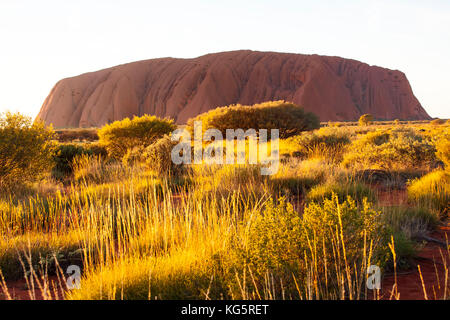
26	150
275	240
289	118
121	136
63	157
289	249
391	149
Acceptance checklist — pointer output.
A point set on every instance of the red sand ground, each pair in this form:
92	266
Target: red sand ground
18	290
431	262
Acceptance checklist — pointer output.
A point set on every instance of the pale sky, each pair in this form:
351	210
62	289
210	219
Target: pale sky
44	41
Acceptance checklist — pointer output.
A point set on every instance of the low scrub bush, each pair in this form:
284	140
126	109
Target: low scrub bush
309	256
391	149
408	225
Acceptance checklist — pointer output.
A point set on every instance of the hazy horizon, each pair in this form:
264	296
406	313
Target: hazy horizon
47	41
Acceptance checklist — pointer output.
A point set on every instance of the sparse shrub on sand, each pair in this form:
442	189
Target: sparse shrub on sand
26	150
289	118
414	222
408	225
120	136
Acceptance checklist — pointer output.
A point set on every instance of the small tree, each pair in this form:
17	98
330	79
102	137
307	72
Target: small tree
26	150
289	118
365	119
121	136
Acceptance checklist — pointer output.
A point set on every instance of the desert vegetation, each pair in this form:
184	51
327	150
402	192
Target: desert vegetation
141	227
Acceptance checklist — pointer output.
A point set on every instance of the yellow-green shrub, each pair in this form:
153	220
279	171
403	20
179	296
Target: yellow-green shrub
293	251
26	150
390	149
120	136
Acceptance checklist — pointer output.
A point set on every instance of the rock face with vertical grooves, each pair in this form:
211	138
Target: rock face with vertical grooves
334	88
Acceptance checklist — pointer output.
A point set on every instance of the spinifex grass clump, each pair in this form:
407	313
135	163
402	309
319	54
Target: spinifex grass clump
323	143
161	249
433	191
356	190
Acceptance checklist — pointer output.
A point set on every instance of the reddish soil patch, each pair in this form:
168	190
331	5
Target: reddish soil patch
434	261
19	290
392	197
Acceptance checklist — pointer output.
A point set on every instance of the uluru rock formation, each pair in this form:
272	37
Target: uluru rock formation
334	88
